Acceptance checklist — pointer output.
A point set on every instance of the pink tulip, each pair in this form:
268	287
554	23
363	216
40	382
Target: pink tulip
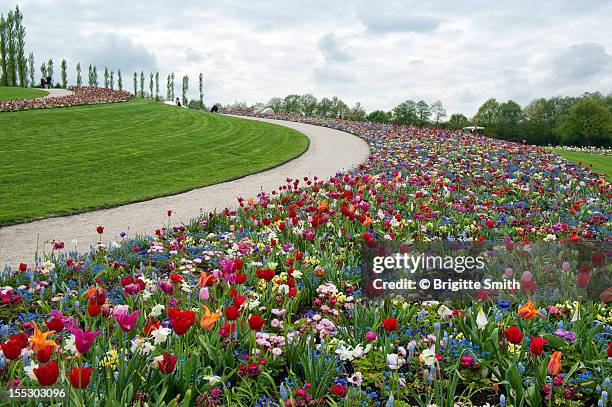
127	321
84	339
204	294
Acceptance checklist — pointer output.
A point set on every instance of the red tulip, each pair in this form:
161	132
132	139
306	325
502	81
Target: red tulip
231	312
23	267
93	310
55	324
265	274
182	320
256	322
514	334
227	329
610	349
390	324
11	349
537	345
47	374
240	278
79	376
339	390
100	229
166	365
44	355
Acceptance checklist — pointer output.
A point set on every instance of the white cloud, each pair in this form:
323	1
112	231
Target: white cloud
378	53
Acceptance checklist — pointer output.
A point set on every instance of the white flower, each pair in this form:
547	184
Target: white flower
157	310
276	351
160	335
29	371
141	346
428	356
212	380
394	361
445	312
146	294
70	344
356	379
481	319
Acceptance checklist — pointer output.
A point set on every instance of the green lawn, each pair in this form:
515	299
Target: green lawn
60	161
601	163
8	93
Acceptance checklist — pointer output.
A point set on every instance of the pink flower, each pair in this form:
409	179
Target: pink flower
370	336
84	339
126	321
204	295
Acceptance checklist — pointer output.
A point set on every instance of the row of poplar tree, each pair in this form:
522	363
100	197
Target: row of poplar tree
18	70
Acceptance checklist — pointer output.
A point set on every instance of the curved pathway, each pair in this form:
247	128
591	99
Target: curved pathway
53	93
329	151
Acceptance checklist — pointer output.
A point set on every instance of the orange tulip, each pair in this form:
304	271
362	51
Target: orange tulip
39	340
528	311
208	320
554	364
323	205
206	279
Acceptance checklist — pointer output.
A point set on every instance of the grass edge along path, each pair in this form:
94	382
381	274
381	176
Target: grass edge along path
66	161
601	164
11	93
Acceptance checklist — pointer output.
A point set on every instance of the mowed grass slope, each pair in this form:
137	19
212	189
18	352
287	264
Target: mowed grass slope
61	161
602	164
8	93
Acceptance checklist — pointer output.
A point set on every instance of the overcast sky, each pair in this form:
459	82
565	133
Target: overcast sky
377	52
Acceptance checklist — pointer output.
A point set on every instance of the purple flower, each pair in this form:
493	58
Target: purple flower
570	336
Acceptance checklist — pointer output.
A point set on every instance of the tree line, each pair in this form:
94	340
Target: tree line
578	121
13	61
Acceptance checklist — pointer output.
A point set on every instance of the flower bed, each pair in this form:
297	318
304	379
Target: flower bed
263	305
82	96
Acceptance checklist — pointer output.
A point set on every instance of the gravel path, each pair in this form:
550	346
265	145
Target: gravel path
329	151
57	92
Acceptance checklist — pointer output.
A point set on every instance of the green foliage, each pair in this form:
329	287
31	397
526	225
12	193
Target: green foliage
378	116
64	74
588	123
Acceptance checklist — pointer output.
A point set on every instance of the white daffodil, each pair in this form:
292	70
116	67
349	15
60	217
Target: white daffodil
444	312
160	335
157	310
428	356
356	379
394	361
481	319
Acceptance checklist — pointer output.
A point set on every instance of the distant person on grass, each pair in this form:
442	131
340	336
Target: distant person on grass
214	109
48	82
178	102
42	83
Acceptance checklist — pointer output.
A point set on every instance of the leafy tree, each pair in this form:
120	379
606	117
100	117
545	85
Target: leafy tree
405	113
3	51
172	86
324	107
292	104
588	123
50	70
11	49
112	79
79	80
309	104
487	116
142	80
94	76
119	80
135	84
43	69
106	78
509	121
539	122
31	70
438	111
379	116
457	121
276	104
423	112
185	89
201	85
156	85
168	96
357	112
20	56
151	79
64	74
90	76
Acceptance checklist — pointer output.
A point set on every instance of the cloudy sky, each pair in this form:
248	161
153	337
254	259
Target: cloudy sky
380	53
